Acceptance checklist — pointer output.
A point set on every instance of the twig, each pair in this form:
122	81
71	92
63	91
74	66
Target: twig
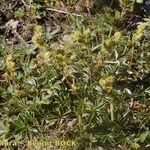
24	3
64	12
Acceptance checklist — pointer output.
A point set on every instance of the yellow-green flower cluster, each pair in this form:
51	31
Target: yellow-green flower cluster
10	64
138	34
53	4
114	39
78	36
106	83
38	38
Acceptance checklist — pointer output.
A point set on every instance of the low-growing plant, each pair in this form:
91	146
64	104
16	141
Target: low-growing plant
80	77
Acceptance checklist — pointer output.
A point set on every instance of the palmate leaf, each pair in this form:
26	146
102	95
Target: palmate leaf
25	124
144	136
3	129
89	71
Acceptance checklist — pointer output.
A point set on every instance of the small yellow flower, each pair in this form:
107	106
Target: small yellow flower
69	71
38	38
108	42
138	34
86	32
104	53
76	36
74	88
86	35
117	36
9	62
106	83
114	39
53	3
99	61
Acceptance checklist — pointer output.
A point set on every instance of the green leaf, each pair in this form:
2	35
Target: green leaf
135	146
117	15
20	12
34	130
143	136
31	81
139	1
3	129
